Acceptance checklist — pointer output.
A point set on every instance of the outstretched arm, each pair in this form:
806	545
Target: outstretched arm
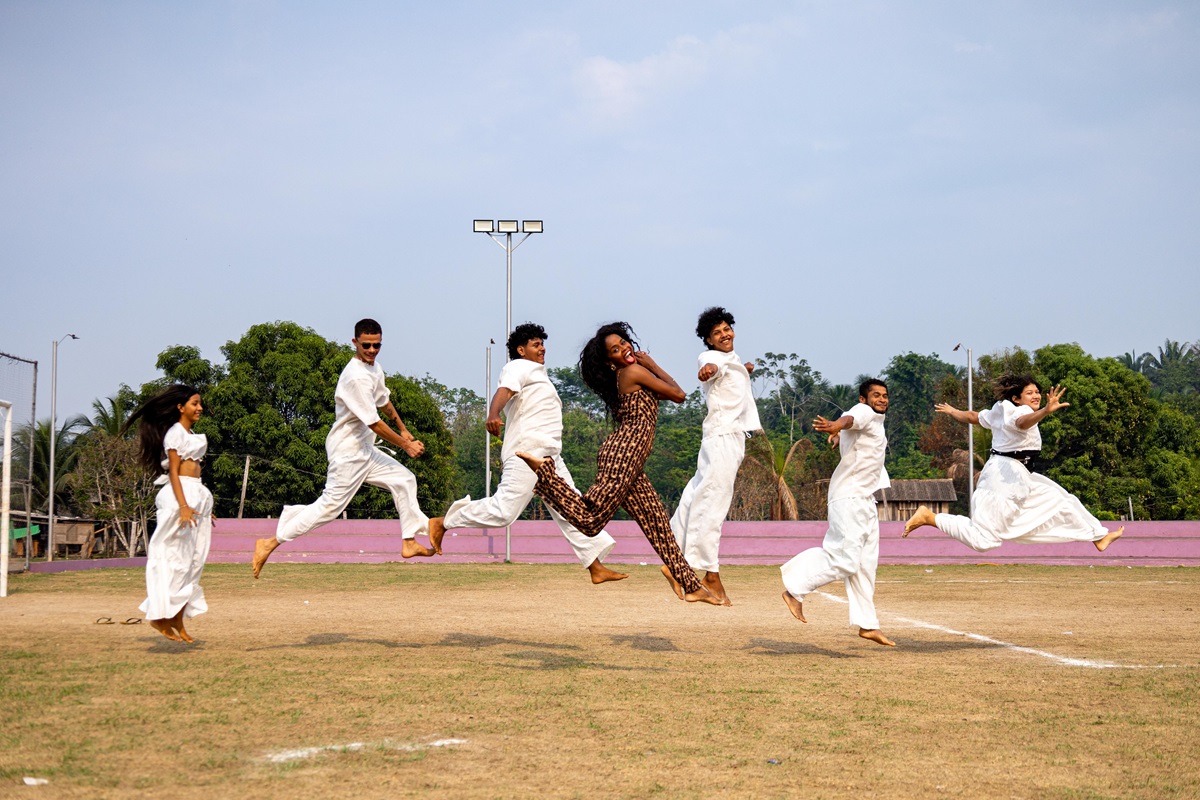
834	428
1053	403
968	417
499	401
404	440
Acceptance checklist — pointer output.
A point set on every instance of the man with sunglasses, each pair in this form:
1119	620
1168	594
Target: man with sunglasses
360	397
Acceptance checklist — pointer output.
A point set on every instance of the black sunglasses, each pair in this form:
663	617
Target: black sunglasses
370	345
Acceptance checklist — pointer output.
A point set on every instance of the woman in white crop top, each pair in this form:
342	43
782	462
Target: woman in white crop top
1013	502
178	548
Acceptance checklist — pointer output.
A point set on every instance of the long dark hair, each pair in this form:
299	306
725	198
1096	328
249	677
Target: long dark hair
1011	386
157	415
595	368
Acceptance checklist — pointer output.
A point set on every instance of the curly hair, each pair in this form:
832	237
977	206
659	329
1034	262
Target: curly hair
596	370
1011	386
157	415
521	336
709	319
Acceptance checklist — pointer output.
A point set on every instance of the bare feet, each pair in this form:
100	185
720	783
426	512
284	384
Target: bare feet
534	462
177	624
163	626
1111	537
602	574
876	635
675	587
922	517
437	529
712	582
794	606
412	549
702	595
262	551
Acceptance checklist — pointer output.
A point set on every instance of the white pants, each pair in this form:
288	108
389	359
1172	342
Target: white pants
1014	504
176	554
343	481
512	496
850	552
706	498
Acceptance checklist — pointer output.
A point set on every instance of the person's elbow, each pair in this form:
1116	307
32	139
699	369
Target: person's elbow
675	395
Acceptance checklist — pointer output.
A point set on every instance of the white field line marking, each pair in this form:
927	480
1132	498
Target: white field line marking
1065	661
308	752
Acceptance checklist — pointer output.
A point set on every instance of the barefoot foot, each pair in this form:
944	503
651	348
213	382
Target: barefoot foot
534	462
177	624
702	595
163	626
712	582
262	551
1109	538
437	529
414	549
794	606
675	587
602	574
922	517
876	635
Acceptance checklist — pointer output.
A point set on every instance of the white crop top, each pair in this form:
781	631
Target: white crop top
189	446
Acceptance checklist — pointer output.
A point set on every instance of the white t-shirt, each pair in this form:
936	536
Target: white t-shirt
729	395
864	446
533	415
360	394
1001	420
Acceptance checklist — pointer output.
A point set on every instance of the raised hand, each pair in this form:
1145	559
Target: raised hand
1054	399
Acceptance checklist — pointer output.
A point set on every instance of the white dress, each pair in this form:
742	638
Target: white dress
1014	504
176	553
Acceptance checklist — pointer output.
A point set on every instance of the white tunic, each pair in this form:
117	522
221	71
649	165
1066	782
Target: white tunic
729	396
190	447
863	448
360	393
533	415
1001	419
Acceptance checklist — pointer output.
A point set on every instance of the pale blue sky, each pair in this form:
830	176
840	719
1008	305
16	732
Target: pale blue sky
853	180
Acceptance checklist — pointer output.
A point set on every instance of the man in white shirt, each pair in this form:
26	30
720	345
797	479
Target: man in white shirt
850	551
732	416
533	411
353	458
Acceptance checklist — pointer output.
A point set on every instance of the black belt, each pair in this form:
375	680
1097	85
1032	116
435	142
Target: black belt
1029	458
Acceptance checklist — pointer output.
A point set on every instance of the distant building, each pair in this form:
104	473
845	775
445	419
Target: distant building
900	500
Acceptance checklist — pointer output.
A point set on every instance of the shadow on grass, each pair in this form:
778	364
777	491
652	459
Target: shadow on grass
549	662
947	646
329	639
772	647
164	646
476	641
643	641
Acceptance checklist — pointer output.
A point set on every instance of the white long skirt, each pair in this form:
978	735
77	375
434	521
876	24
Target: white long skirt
512	496
1014	504
176	554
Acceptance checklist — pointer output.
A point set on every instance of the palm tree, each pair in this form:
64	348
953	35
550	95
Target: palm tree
110	414
1176	368
1134	362
37	438
774	466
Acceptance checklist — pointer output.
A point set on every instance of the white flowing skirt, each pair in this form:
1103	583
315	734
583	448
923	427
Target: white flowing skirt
1014	504
176	554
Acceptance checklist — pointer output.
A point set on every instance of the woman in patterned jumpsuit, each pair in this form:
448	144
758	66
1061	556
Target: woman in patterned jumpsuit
630	383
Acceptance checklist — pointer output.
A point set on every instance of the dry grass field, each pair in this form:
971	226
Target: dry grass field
511	681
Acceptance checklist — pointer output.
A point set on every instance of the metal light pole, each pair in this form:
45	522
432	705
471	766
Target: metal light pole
970	430
487	436
501	232
6	487
53	441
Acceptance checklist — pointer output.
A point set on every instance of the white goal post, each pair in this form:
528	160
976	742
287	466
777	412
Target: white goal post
6	496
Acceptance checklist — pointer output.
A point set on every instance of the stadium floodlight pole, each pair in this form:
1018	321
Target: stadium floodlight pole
501	232
970	430
5	487
487	435
53	437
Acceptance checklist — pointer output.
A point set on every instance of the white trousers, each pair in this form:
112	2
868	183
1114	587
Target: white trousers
512	496
1014	504
176	554
706	498
850	553
343	481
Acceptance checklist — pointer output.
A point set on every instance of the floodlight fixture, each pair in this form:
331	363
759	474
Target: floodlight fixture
531	226
507	226
484	226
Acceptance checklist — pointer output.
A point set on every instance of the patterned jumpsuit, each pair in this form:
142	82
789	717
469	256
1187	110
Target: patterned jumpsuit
620	481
